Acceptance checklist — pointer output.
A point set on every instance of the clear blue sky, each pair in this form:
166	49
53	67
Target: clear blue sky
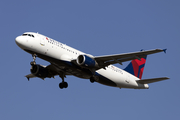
97	27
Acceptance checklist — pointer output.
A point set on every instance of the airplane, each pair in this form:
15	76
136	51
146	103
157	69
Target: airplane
65	60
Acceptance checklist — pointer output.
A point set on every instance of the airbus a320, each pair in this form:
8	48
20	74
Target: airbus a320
65	60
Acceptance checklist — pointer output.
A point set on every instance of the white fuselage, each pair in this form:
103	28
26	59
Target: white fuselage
45	46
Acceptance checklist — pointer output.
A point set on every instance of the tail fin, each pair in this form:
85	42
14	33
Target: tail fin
136	67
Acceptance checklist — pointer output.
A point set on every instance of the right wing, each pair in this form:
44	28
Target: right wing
104	61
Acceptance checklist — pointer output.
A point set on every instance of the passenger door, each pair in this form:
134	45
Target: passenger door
42	42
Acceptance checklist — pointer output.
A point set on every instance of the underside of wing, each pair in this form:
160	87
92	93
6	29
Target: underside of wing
46	71
30	76
147	81
119	58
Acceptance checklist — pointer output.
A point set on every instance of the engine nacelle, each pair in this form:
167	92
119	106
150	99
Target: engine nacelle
39	71
86	61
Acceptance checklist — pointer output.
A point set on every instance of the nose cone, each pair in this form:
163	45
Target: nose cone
19	41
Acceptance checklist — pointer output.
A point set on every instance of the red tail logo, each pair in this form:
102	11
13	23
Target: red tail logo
136	67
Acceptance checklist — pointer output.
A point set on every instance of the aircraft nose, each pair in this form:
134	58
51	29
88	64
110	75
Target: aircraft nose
19	41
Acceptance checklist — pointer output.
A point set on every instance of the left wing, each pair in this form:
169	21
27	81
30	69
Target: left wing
50	70
30	76
104	61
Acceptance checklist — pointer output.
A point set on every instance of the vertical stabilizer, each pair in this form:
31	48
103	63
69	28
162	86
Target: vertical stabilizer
136	67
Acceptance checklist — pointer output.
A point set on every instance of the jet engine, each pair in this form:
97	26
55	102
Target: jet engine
86	61
39	71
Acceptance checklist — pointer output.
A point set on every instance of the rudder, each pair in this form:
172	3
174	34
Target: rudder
136	67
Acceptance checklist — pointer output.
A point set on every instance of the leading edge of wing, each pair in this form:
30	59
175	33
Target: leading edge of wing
118	58
147	81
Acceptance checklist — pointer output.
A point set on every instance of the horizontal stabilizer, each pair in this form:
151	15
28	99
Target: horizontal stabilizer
147	81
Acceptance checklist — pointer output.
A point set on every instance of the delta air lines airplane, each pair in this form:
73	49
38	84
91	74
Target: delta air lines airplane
65	60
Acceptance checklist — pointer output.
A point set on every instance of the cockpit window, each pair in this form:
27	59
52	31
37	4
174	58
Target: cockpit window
24	34
30	35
